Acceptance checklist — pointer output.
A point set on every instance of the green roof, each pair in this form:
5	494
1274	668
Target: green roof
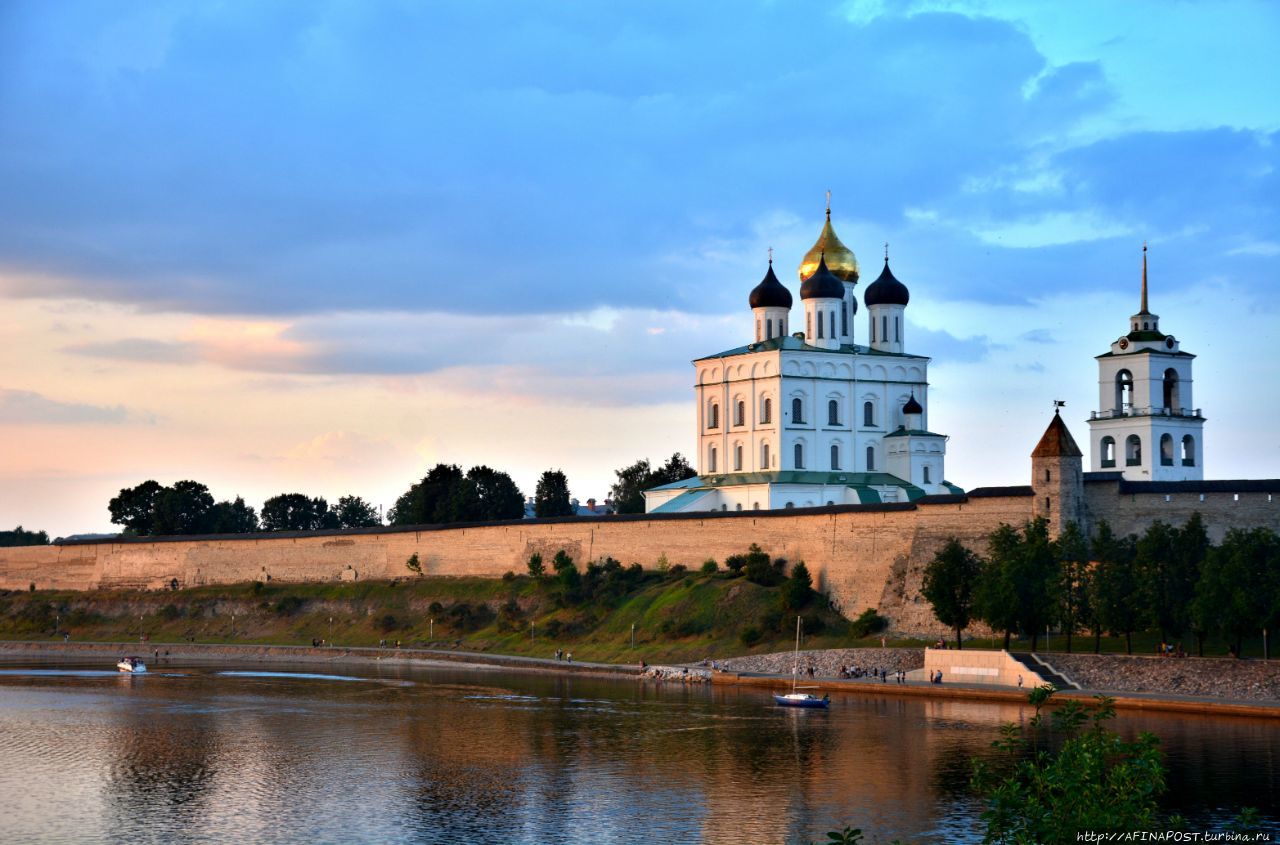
913	432
796	345
1147	351
863	482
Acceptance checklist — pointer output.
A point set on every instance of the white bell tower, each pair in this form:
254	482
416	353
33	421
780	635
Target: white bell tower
1146	426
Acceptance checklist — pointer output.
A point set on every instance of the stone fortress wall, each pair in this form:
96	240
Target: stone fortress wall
864	555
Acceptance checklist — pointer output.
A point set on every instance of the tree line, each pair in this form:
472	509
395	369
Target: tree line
1170	579
445	494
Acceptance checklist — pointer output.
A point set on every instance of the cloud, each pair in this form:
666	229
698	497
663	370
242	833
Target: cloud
25	407
138	349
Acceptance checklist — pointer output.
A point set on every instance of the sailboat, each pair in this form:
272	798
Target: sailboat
799	699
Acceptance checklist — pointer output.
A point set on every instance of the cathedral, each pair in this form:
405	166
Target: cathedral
812	417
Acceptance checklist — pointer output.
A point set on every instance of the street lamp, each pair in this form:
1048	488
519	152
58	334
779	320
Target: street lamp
330	630
633	635
432	630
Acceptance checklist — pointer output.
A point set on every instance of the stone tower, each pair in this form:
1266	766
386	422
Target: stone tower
1057	477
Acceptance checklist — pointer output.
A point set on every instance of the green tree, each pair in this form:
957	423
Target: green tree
568	579
759	569
184	508
1120	609
536	567
233	517
552	495
1236	595
1037	579
134	507
419	504
413	564
1074	577
355	512
997	596
21	537
797	591
496	495
1166	591
627	492
1096	781
294	512
950	586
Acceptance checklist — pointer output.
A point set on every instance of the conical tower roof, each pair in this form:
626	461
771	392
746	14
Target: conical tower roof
1057	441
840	259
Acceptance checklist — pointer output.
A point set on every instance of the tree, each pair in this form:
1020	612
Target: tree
552	495
413	564
950	585
797	591
759	569
355	512
134	507
1116	587
1037	580
233	518
496	495
568	579
997	598
536	568
294	512
627	492
184	508
1236	594
21	537
1074	577
419	504
1166	590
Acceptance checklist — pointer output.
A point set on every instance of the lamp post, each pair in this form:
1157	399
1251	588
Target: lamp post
531	633
432	629
633	635
330	630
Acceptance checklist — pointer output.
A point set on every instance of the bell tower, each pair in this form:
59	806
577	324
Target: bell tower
1146	426
1057	475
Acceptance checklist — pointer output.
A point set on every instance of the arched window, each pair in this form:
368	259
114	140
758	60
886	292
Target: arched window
833	412
758	335
844	318
740	413
873	329
797	410
1133	451
868	414
738	506
1108	451
1124	392
833	323
808	324
884	328
1048	475
711	459
768	328
713	415
1172	400
835	456
766	410
819	324
1166	450
755	506
799	456
926	475
897	329
1188	450
764	456
737	458
871	459
790	505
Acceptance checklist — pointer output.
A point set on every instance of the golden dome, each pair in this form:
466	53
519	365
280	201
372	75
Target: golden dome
840	259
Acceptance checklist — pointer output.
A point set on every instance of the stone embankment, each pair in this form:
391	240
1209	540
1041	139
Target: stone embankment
677	674
827	663
1244	680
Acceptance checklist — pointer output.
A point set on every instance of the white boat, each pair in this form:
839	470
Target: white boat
131	664
799	699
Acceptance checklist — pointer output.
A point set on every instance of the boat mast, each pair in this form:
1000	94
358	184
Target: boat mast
795	663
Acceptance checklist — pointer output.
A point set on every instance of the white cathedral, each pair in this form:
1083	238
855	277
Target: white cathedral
812	418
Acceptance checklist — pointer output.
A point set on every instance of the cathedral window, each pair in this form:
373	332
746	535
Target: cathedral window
1166	450
926	475
711	459
868	414
766	410
833	412
797	410
1133	451
1188	451
768	327
1124	392
737	458
1108	451
871	459
873	329
844	318
833	324
835	456
759	336
897	329
808	324
799	456
713	415
1171	397
764	456
884	329
819	324
740	413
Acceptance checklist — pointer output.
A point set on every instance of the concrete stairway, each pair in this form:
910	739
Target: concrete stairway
1044	670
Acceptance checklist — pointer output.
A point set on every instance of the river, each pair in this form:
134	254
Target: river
365	753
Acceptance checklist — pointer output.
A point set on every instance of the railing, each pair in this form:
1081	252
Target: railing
1151	411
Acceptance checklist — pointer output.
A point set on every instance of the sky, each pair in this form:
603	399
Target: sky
280	247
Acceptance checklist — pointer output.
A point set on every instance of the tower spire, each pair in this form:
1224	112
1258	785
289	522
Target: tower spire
1144	279
828	203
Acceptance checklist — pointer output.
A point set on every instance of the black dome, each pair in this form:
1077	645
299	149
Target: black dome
770	293
886	290
823	284
912	406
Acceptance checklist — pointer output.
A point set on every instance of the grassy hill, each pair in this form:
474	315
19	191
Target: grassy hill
676	615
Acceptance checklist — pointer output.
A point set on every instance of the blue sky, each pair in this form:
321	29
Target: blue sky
508	227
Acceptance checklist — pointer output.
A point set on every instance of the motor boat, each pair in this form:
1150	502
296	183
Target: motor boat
131	664
801	699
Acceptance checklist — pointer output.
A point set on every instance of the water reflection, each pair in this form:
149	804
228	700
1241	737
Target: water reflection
448	755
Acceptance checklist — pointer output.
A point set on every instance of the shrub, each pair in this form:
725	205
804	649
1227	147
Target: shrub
750	636
710	567
171	612
413	564
797	591
552	628
870	622
735	563
258	587
663	563
435	607
676	571
536	569
813	624
508	576
288	605
388	623
758	568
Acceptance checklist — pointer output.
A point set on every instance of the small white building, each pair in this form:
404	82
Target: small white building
813	418
1147	427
